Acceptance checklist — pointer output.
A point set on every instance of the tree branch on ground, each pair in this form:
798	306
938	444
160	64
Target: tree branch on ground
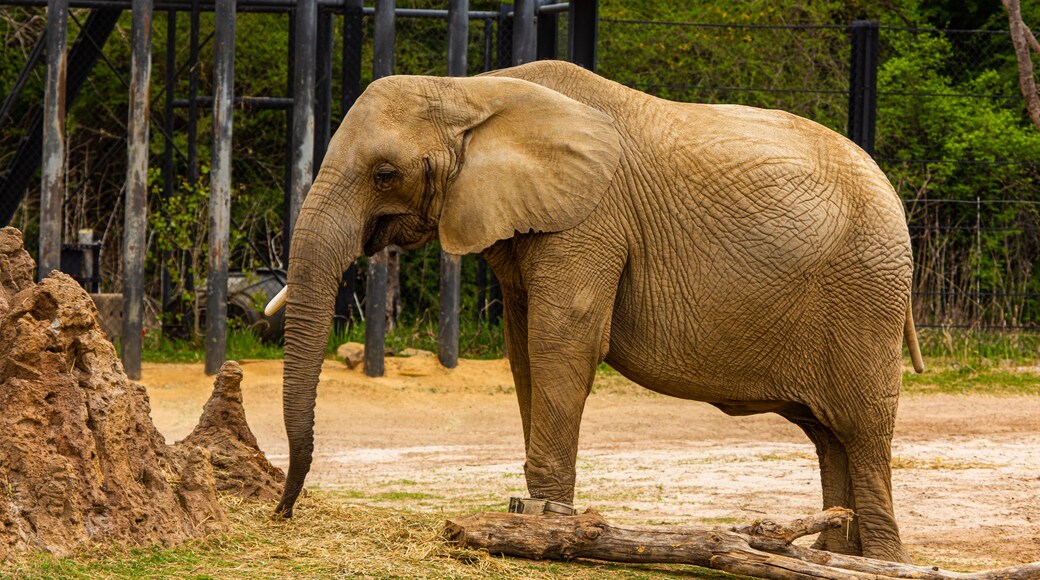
763	549
1024	40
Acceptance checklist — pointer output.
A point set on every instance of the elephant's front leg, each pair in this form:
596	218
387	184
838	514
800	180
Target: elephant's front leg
567	332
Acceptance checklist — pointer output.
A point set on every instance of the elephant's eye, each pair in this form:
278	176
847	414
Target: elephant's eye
384	176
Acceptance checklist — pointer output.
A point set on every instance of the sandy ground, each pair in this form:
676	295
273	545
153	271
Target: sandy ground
966	477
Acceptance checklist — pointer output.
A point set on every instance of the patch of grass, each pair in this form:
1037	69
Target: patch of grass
984	379
241	344
327	538
476	340
971	347
939	463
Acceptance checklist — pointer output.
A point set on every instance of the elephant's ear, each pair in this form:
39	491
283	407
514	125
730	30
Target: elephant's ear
530	160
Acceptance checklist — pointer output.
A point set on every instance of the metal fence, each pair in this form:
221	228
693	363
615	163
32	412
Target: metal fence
972	199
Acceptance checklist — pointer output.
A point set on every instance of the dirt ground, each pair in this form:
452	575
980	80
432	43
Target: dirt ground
966	477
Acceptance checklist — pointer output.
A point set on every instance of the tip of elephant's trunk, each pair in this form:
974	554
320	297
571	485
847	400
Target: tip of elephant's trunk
276	303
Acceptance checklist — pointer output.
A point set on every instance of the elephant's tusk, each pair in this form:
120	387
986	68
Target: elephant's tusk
276	303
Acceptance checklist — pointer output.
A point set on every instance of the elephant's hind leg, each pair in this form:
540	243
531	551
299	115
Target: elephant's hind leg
835	480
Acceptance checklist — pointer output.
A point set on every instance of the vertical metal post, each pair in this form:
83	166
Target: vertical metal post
863	83
193	95
52	186
303	108
220	184
290	79
524	32
323	88
136	204
375	287
383	43
171	63
451	265
353	41
582	33
548	25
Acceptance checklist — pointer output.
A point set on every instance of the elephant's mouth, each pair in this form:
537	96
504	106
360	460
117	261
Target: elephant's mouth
406	230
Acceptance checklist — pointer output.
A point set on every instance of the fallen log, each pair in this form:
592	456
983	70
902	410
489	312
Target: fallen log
763	549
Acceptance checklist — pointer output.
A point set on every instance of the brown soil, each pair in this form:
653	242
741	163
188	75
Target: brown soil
80	460
967	468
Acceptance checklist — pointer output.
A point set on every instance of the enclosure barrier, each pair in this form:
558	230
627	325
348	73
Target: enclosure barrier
940	301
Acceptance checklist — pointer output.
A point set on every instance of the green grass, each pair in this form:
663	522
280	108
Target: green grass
476	340
987	379
241	344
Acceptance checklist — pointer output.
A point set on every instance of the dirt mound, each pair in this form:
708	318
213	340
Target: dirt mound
80	460
240	467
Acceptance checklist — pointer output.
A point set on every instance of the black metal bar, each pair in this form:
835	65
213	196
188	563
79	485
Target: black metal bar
525	39
323	88
376	283
583	33
259	103
168	168
135	249
448	321
23	77
290	78
302	168
553	8
220	186
383	44
193	97
254	6
548	24
458	37
353	41
863	83
52	186
451	265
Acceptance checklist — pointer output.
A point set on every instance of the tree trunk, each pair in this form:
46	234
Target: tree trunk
762	549
1024	40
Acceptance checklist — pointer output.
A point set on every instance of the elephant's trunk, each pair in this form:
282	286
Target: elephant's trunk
326	239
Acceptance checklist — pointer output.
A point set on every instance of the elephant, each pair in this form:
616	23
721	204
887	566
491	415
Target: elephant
747	258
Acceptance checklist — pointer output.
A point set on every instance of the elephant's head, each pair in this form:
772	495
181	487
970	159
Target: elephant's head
467	160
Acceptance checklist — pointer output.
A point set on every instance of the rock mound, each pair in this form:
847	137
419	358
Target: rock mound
80	460
239	466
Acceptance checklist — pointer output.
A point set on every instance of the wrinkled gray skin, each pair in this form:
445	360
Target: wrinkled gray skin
747	258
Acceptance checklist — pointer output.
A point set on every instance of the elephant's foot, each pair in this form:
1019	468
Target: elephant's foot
896	553
527	505
839	541
842	541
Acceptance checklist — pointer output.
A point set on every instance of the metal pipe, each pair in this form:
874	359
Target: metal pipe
135	212
171	65
557	8
52	186
376	283
353	43
547	27
276	103
220	185
451	265
323	88
258	6
193	97
583	32
23	77
524	32
303	108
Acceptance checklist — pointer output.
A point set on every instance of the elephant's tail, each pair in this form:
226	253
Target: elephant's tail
910	336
